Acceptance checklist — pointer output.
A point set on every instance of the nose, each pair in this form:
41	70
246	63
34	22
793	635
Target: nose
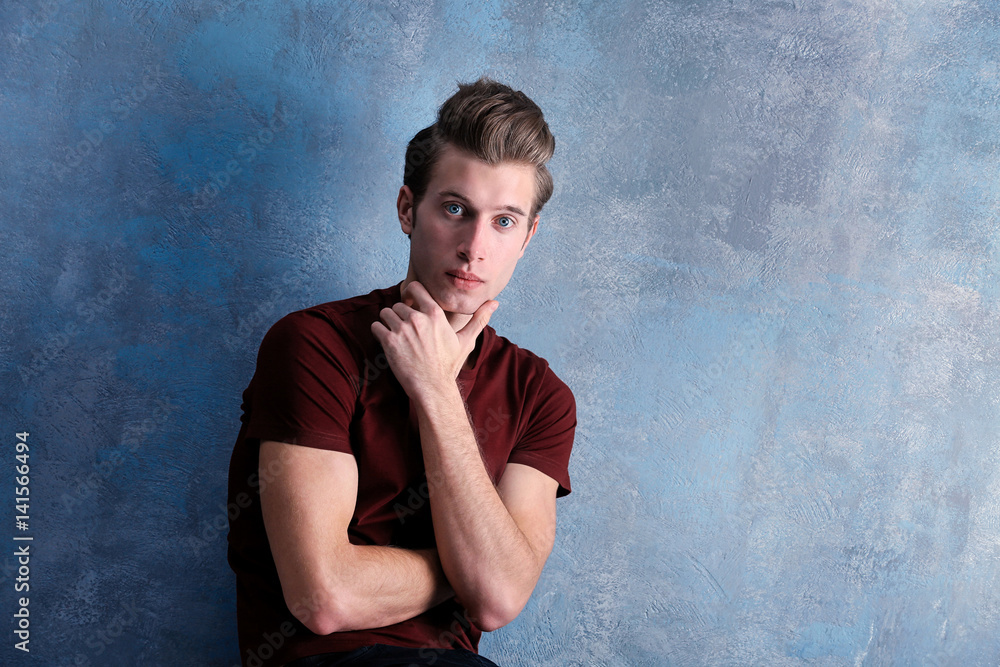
474	239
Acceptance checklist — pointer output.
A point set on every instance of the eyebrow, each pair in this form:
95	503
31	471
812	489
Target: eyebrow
506	208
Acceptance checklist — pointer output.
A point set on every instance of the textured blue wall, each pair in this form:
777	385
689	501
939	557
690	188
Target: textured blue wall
768	272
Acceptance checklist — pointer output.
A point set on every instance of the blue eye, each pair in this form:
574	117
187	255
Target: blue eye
509	222
454	209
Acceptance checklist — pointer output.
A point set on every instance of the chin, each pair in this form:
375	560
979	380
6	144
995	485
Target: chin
456	301
462	304
463	307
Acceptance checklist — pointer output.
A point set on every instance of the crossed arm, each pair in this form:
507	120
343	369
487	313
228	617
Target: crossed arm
331	585
492	542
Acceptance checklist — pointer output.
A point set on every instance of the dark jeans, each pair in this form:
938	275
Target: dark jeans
383	655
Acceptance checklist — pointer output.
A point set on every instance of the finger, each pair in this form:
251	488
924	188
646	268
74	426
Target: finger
421	298
391	319
403	311
475	326
380	332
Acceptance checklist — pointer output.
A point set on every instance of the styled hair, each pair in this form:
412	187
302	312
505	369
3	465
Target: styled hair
491	121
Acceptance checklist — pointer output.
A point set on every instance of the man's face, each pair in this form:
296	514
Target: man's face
469	230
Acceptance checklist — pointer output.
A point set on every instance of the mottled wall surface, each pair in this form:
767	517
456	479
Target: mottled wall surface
768	272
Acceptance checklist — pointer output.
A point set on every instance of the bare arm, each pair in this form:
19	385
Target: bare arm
493	542
329	584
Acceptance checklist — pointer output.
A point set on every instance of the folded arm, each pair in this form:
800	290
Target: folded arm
329	584
493	541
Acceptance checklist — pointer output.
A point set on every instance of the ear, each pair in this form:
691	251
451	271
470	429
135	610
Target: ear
404	209
531	233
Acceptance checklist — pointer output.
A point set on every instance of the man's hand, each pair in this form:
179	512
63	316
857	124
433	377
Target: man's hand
423	350
492	542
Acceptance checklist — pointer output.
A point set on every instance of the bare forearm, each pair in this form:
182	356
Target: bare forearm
485	555
374	586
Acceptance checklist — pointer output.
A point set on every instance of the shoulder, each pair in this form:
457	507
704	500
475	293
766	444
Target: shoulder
545	412
526	369
349	319
336	328
357	306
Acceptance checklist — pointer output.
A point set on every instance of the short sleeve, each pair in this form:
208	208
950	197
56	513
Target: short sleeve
548	437
305	387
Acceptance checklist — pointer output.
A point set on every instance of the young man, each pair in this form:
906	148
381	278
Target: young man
398	465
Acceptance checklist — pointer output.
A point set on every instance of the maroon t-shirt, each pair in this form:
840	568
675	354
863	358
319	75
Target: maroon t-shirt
323	381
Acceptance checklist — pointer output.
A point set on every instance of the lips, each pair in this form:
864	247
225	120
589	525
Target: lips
465	276
463	280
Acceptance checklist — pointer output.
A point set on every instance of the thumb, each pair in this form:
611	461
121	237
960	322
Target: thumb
475	326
